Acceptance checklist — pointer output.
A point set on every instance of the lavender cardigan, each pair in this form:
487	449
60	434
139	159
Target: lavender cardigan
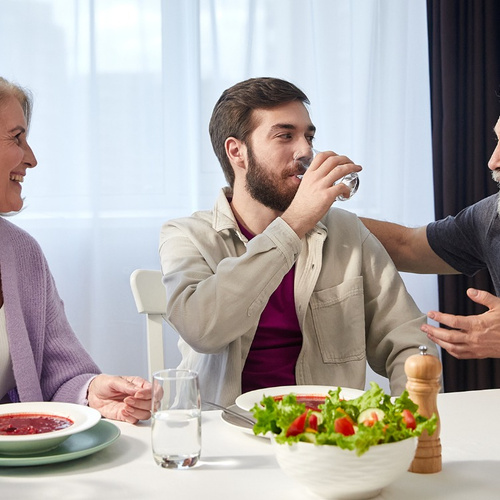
49	362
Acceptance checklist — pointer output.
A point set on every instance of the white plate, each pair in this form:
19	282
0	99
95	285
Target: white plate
249	399
236	422
83	418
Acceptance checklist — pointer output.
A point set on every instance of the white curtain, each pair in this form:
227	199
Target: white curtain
123	94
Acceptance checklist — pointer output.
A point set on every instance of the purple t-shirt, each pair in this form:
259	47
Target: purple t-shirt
277	342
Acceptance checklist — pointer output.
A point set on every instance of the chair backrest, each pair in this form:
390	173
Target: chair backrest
151	299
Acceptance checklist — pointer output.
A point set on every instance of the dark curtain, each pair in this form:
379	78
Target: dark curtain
464	53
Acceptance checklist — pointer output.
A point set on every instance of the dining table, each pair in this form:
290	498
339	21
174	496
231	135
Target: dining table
235	464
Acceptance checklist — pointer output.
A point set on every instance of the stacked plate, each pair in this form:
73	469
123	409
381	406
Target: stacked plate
48	432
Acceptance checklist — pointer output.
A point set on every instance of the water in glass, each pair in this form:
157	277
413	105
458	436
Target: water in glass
176	437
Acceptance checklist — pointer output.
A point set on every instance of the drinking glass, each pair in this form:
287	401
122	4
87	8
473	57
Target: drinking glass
176	418
350	180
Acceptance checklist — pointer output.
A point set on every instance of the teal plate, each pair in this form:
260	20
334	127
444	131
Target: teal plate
79	445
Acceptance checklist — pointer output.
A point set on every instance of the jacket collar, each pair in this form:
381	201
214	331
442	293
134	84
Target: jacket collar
224	218
223	215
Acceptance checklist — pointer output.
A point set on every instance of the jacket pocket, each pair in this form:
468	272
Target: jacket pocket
339	321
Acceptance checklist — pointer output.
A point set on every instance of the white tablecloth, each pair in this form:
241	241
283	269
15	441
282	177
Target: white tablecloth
235	465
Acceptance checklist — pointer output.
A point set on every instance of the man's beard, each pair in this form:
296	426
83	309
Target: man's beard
496	177
266	188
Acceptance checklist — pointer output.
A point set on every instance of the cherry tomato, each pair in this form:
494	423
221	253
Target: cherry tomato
409	419
297	426
344	426
313	422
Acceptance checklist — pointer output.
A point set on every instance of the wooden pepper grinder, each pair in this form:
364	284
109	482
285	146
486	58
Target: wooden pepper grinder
423	372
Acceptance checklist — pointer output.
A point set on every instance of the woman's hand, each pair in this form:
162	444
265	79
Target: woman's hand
121	398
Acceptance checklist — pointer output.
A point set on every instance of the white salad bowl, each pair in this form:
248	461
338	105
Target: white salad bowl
83	418
335	473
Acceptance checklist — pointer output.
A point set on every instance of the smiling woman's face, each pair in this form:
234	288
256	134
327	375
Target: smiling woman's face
15	154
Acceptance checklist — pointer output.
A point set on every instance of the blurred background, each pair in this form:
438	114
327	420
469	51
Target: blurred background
124	90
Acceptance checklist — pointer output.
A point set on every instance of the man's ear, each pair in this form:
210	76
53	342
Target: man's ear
236	152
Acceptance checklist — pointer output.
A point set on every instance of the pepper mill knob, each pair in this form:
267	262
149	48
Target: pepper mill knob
423	372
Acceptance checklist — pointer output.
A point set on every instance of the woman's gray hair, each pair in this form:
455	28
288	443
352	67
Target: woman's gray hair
24	96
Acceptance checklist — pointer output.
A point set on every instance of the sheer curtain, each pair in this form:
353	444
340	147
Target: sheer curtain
123	93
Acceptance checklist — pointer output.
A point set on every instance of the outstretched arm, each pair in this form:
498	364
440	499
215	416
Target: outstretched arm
121	398
470	337
408	247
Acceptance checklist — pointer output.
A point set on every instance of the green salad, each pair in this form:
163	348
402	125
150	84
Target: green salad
355	424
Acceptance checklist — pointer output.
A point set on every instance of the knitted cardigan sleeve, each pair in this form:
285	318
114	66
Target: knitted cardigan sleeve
49	361
67	368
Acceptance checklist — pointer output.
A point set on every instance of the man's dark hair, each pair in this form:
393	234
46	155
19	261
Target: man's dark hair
232	114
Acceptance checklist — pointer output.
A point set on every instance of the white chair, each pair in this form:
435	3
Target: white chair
151	299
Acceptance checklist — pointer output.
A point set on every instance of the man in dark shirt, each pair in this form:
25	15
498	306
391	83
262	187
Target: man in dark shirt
465	243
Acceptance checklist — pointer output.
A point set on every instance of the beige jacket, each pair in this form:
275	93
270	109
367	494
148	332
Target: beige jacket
351	303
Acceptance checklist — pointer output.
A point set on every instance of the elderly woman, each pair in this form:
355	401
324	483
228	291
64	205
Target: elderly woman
41	359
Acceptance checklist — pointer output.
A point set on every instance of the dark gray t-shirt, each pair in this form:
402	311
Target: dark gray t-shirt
470	241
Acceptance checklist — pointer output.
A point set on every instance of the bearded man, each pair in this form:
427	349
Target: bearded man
465	243
273	286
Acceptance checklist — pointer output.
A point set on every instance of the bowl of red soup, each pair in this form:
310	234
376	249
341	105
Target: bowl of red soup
31	428
312	401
